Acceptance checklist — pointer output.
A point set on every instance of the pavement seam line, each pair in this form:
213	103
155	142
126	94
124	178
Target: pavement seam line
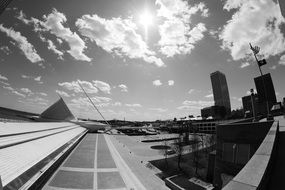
95	183
125	171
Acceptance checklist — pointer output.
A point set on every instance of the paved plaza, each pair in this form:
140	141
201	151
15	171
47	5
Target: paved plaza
94	164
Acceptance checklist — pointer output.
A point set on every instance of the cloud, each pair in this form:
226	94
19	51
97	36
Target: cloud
5	49
35	101
5	83
254	21
191	91
158	109
25	76
42	93
12	90
171	82
123	87
37	78
133	105
249	93
192	104
103	86
178	35
52	47
53	23
62	93
74	86
156	83
117	104
209	96
244	64
83	102
117	36
282	60
26	47
3	77
27	91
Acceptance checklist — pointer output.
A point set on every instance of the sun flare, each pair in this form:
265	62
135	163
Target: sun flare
146	19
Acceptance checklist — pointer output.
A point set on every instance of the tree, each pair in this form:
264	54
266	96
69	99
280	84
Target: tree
164	151
178	148
195	151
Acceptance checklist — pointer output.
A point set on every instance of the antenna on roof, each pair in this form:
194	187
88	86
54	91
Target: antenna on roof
92	102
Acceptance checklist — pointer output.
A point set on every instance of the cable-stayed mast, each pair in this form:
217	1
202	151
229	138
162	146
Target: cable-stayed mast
92	103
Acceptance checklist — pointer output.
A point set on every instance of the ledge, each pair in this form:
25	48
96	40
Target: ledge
254	172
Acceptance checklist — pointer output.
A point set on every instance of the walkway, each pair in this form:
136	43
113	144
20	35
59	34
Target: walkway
94	164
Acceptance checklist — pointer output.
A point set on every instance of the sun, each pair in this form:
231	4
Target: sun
146	19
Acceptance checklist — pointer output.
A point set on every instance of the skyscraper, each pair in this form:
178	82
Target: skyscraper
220	90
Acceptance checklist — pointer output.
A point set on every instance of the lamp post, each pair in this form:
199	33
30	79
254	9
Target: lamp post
255	51
252	103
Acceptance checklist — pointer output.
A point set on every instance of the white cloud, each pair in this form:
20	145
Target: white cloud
5	49
133	105
156	83
3	77
103	86
282	60
42	93
117	36
248	92
117	104
244	64
123	87
191	91
52	47
74	86
27	91
158	109
26	47
273	67
102	99
178	35
5	83
83	102
12	90
254	21
171	82
62	93
53	23
25	76
209	96
192	104
37	78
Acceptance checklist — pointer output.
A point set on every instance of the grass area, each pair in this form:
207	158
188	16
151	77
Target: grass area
169	166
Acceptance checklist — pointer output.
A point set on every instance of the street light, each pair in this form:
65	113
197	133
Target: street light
255	51
252	103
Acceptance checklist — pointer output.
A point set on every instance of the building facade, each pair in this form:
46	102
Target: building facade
265	90
220	90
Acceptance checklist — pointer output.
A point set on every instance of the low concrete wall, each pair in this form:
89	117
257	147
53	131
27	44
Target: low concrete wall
251	134
255	174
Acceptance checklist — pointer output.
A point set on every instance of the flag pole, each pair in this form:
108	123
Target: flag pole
264	88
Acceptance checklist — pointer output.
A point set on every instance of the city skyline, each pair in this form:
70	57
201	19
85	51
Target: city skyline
131	67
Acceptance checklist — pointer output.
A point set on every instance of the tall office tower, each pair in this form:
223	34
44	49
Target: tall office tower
265	91
220	90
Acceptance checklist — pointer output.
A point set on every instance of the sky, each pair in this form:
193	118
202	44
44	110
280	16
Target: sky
137	59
